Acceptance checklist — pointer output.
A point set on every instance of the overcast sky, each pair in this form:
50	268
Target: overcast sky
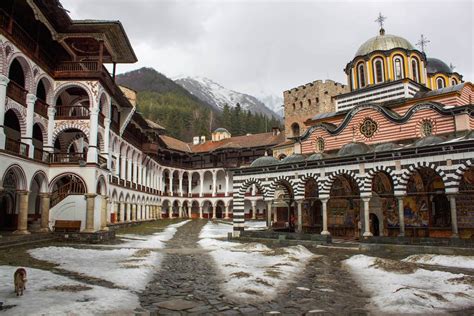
266	47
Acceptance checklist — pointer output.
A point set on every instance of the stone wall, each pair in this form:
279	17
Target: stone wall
305	101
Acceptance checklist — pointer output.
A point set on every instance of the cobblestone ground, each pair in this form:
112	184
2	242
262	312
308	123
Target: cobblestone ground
188	283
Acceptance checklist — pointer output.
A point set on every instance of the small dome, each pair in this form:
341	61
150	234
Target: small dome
429	140
264	161
221	130
385	147
293	158
383	42
316	156
435	65
354	148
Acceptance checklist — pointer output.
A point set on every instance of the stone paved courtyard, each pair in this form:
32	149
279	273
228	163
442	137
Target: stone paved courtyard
169	268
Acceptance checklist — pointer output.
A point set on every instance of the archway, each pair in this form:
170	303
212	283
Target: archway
220	209
38	185
72	103
295	129
13	182
312	208
38	142
344	207
70	145
165	207
195	209
427	211
65	185
284	206
383	206
17	87
207	209
12	129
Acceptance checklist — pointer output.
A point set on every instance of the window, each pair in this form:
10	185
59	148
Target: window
294	106
440	83
361	74
454	82
368	127
378	74
301	104
317	100
320	144
309	102
426	128
295	128
398	68
414	70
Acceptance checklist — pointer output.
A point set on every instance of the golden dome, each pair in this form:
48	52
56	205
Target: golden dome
383	42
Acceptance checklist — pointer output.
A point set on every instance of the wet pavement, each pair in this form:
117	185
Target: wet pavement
189	283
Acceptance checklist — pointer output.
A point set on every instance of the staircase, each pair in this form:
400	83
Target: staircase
72	187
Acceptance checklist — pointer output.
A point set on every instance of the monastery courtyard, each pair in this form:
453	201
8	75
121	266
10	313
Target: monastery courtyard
175	267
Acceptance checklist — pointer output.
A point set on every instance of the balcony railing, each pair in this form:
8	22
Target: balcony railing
41	155
77	66
41	108
74	112
16	92
67	157
16	147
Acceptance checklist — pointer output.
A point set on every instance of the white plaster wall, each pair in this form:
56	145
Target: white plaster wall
72	208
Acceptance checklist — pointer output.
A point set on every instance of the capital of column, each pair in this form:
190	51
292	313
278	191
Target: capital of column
366	199
44	195
4	80
106	121
299	201
23	192
90	195
51	111
31	98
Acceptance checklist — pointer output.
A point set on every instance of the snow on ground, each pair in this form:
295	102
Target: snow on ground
255	225
252	271
51	294
400	287
466	262
128	268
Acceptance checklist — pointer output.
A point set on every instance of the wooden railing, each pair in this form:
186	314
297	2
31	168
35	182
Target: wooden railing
16	147
70	188
77	66
41	155
16	92
41	108
73	112
67	157
128	136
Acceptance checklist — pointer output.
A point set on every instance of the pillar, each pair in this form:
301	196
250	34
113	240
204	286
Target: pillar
44	202
454	217
103	213
3	101
171	183
200	211
180	181
367	232
226	184
92	152
160	214
227	206
275	215
106	152
201	189
401	216
214	183
180	211
90	204
190	184
170	211
254	209
118	212
214	209
269	214
30	112
129	211
299	220
49	143
22	228
134	212
324	203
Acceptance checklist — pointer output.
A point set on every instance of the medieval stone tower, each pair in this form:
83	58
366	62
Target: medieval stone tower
306	101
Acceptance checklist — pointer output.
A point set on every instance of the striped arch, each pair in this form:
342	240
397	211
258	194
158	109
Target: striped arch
459	173
300	188
73	84
69	124
247	183
372	172
238	206
401	187
20	112
27	69
330	180
278	180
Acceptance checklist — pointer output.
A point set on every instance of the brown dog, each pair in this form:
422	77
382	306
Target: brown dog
19	279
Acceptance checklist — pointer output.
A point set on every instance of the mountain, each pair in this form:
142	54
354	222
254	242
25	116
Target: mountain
273	102
215	94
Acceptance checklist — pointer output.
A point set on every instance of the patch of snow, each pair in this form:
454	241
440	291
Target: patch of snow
215	230
466	262
51	294
398	289
255	225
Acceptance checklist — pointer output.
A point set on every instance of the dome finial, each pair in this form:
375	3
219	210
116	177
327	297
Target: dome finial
380	20
422	42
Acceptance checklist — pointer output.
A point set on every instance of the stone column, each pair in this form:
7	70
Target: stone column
401	216
129	211
201	189
226	184
214	183
275	215
160	212
367	232
299	225
129	170
22	228
324	203
190	184
3	101
269	213
227	206
170	211
180	181
200	210
454	216
134	212
92	152
180	211
118	212
214	210
44	202
30	112
90	205
254	209
49	143
107	143
103	213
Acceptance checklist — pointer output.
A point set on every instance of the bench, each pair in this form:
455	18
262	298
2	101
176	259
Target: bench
67	226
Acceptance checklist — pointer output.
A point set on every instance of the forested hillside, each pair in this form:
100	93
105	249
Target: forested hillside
182	114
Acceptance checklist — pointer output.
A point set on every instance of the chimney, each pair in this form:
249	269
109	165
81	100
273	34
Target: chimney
203	139
276	131
195	140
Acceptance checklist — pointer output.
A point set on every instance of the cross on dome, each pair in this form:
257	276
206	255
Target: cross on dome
451	66
422	42
380	20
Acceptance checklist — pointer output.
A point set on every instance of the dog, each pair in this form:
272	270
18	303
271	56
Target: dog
19	279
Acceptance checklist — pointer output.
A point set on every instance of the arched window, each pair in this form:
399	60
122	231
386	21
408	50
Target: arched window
309	102
414	70
440	83
378	71
361	74
454	81
294	106
301	104
295	128
398	67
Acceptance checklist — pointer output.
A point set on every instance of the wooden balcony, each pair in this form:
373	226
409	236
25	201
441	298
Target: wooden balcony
41	108
41	155
75	112
67	158
16	147
16	92
150	148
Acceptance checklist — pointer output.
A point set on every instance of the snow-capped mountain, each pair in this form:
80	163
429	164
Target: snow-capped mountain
273	102
213	93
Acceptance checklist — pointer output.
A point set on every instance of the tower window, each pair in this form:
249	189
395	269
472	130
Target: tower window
294	106
309	102
398	68
361	73
378	71
295	128
301	104
414	69
317	100
440	83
